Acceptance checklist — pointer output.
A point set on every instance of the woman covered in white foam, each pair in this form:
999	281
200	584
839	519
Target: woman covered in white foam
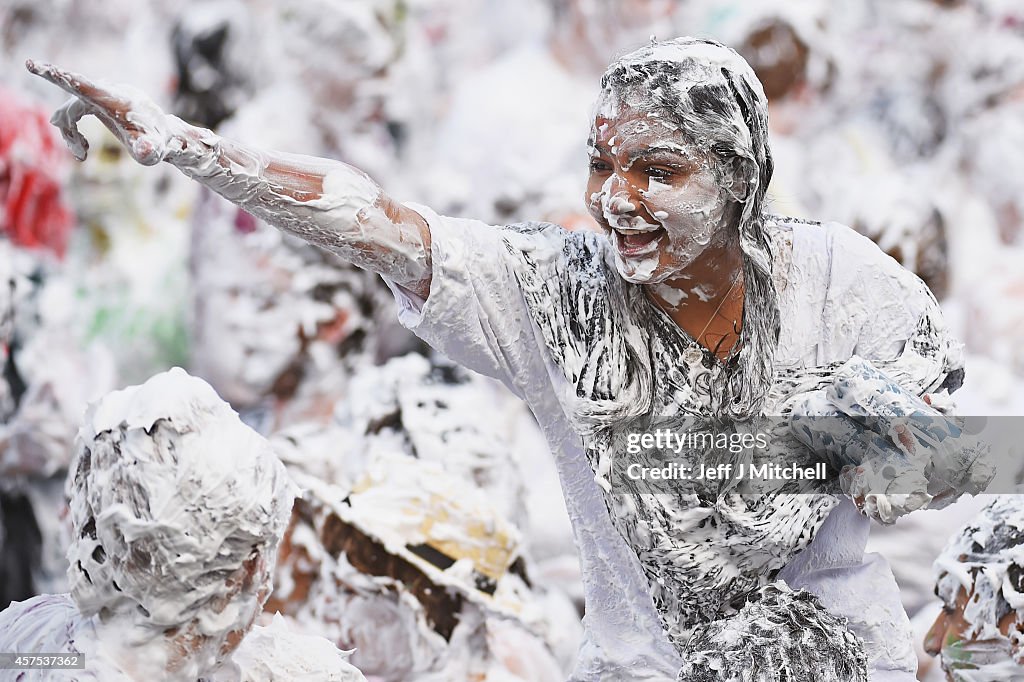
177	509
695	302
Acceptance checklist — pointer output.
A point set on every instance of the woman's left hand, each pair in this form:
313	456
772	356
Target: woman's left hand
140	125
894	451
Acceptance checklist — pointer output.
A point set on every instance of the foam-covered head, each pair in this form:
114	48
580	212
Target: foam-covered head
980	579
177	509
712	99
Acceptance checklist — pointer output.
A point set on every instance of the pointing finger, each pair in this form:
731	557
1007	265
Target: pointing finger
76	84
67	81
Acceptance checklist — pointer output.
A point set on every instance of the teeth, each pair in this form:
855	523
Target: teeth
632	232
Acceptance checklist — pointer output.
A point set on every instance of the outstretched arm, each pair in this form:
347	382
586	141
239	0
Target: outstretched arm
325	202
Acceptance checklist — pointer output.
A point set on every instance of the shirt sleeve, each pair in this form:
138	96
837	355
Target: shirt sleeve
475	313
872	298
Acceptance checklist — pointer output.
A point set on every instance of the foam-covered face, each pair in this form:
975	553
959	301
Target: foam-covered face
660	198
967	655
979	576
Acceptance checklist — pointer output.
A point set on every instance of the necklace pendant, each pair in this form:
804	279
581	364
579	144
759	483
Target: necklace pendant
693	355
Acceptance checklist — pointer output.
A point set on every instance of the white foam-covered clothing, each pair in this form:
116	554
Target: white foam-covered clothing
838	296
52	623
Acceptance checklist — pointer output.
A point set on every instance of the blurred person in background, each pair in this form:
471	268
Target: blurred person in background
511	143
979	577
51	367
276	325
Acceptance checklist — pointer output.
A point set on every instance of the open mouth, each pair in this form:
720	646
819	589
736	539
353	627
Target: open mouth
633	243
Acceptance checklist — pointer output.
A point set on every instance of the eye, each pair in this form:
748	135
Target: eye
599	165
662	173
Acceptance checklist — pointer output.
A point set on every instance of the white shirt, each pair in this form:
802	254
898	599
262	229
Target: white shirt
839	295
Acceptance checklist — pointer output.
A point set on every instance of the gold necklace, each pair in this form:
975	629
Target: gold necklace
735	281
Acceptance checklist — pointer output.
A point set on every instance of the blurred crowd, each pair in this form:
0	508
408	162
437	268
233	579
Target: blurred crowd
430	535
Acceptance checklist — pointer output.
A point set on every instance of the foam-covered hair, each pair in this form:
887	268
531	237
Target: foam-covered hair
171	494
709	90
778	636
718	104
